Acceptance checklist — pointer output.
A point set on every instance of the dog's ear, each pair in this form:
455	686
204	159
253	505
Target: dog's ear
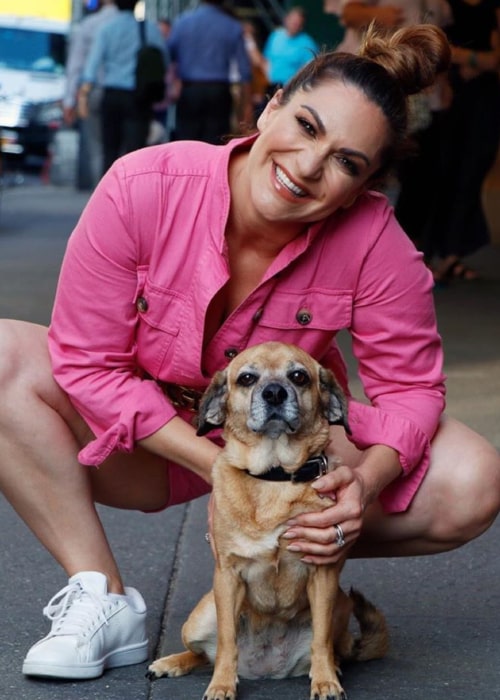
334	401
212	413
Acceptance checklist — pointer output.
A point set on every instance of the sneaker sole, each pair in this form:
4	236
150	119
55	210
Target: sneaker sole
127	656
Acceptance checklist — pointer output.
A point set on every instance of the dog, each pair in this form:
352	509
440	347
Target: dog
269	614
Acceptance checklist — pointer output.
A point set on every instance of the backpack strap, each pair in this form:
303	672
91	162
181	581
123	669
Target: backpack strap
142	31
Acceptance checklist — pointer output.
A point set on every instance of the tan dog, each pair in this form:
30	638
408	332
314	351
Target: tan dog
270	614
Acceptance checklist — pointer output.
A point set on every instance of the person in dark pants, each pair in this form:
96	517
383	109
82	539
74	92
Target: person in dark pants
469	140
125	122
203	44
204	111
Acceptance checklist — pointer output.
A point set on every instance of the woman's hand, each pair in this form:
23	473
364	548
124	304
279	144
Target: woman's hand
351	491
315	534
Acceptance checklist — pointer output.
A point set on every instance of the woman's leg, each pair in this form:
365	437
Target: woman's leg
97	623
457	501
40	436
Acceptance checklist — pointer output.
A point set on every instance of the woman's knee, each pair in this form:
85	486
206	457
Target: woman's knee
20	344
26	377
481	488
467	483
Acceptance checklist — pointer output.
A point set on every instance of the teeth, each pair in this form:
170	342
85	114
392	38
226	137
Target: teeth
284	180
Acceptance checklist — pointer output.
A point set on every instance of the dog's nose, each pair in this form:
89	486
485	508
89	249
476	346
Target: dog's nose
274	394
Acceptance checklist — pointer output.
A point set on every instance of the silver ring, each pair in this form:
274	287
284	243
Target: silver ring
207	537
340	541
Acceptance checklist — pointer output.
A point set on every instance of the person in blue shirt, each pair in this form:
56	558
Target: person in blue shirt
205	44
90	153
125	122
288	48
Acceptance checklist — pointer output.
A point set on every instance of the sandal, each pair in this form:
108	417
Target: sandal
459	271
456	270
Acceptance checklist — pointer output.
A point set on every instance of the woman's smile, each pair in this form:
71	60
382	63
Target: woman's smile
284	181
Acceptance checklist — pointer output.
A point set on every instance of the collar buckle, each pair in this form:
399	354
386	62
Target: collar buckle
318	464
311	470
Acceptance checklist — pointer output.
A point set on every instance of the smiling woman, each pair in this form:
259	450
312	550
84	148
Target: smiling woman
186	254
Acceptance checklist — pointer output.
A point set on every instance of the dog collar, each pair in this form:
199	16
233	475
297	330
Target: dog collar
313	468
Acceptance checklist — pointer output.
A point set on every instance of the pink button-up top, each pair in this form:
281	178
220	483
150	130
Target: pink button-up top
149	254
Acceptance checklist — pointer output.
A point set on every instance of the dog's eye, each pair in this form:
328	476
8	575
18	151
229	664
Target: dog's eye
299	377
246	379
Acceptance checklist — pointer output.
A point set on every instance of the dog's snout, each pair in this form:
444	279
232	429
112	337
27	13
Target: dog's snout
274	394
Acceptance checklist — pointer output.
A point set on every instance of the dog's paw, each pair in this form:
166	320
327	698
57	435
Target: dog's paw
163	669
327	690
174	665
221	691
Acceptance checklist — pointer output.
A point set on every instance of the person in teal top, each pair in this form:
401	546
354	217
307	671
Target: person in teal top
288	48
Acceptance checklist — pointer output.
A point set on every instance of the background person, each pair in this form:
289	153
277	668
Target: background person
417	177
125	121
288	48
161	120
187	253
203	45
469	138
90	156
260	82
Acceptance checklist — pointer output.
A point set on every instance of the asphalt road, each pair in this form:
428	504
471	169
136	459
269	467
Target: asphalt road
443	611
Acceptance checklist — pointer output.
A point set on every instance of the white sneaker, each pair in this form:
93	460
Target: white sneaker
91	630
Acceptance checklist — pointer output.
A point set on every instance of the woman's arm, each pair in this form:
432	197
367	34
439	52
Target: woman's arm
472	63
399	355
94	335
178	442
358	15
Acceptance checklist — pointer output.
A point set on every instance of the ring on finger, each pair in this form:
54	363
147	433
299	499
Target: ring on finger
339	540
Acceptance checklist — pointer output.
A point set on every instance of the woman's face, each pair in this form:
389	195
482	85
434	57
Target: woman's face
315	154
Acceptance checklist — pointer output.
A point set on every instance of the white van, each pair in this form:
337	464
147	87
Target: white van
32	79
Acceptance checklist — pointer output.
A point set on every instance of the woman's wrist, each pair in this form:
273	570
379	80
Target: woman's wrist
177	441
379	467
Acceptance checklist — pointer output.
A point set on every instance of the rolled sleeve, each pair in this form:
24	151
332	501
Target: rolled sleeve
93	342
400	359
372	426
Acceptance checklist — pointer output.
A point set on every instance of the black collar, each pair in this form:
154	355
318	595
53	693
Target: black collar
310	470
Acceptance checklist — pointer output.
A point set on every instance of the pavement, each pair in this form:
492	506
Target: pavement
443	611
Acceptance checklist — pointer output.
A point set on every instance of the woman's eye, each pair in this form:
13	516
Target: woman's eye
246	379
306	126
348	165
299	377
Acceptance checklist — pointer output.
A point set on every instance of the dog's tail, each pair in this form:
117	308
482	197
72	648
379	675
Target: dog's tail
373	641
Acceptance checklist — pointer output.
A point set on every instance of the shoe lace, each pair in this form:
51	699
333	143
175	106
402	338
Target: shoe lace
74	609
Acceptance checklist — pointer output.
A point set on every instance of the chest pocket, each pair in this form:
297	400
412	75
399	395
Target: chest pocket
309	319
158	321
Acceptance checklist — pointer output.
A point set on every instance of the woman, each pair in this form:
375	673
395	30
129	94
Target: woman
186	254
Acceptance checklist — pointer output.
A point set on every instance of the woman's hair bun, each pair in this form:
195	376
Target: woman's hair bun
412	55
